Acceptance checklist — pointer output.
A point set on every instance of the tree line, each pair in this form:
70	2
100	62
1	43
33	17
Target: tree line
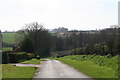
38	40
101	42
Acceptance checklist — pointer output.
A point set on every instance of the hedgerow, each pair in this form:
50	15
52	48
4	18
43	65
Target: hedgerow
16	57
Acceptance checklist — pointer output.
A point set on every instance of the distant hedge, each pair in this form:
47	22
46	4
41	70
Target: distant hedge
16	57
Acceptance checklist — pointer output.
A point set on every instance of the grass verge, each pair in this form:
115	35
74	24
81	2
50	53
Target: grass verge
10	71
26	73
90	68
33	61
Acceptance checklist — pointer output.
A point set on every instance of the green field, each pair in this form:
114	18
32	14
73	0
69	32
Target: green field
93	66
9	37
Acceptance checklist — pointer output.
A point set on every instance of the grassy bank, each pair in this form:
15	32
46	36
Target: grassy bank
93	66
10	71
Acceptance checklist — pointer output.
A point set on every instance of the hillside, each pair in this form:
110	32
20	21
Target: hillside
9	37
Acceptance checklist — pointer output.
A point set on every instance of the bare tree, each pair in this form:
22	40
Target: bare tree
36	39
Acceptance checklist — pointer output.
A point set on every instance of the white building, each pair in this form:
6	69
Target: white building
60	30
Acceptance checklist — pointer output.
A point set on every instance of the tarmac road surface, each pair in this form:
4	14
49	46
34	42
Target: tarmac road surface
56	69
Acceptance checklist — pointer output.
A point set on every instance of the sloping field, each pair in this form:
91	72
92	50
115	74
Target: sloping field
9	37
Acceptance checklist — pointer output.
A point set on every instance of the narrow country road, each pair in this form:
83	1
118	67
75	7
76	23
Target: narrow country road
56	69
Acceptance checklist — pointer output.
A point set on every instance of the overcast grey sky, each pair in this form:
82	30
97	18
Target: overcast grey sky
72	14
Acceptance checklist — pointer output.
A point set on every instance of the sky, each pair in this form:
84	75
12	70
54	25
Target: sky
71	14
